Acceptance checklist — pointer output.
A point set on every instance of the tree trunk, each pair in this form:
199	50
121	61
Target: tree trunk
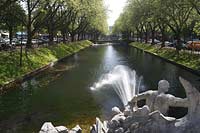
29	40
146	37
178	44
133	36
51	37
29	29
72	37
51	32
162	28
85	36
153	36
11	34
141	36
163	39
64	37
82	36
78	36
137	34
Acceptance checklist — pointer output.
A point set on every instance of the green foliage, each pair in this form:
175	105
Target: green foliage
184	58
196	5
5	3
87	16
11	18
13	15
171	18
98	21
10	70
74	17
197	28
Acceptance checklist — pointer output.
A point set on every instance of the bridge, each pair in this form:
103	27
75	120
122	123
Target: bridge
111	41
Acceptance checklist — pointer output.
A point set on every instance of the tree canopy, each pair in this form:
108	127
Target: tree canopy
163	19
73	19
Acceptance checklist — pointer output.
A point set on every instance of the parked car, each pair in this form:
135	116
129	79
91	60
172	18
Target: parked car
193	45
5	45
44	40
55	39
41	41
1	43
15	41
34	41
168	44
182	45
24	41
1	40
155	41
7	40
21	41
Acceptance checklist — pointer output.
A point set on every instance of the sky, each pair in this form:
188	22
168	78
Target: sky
115	7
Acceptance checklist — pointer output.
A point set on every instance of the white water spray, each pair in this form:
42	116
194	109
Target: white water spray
123	80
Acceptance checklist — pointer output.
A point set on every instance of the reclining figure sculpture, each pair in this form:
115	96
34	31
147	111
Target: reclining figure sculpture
158	100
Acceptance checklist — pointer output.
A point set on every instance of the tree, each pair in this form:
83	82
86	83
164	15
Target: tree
148	17
196	28
38	12
5	3
97	20
12	17
177	15
53	19
196	5
86	16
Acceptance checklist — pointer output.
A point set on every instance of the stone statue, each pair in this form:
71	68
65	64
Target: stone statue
152	119
158	100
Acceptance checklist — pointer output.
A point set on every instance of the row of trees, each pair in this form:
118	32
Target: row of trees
178	19
79	19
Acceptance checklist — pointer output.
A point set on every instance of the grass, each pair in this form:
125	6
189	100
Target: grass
36	58
183	58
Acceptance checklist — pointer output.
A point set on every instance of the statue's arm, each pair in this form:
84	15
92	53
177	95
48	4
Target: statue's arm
141	96
178	102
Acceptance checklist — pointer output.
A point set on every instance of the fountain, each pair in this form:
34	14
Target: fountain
123	80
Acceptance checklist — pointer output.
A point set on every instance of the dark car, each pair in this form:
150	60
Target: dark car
4	45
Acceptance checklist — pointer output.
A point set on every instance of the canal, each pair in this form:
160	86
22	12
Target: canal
62	93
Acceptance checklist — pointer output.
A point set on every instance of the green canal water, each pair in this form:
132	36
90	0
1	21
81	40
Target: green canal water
62	93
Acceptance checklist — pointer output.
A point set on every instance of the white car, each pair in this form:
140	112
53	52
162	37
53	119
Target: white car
24	41
6	40
155	41
1	42
168	44
34	41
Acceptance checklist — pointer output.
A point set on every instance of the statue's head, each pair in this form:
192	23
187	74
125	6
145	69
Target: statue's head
163	86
